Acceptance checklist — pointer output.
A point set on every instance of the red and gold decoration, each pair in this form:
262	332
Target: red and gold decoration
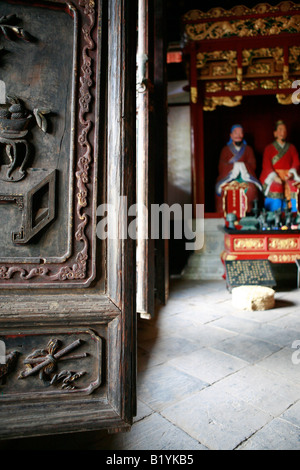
277	248
235	200
245	50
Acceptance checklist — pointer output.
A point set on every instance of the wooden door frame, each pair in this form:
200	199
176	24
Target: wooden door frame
152	259
145	163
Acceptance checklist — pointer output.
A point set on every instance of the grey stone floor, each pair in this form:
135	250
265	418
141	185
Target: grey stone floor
211	377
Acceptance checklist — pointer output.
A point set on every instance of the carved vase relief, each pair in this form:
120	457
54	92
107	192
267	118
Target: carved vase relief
31	189
46	154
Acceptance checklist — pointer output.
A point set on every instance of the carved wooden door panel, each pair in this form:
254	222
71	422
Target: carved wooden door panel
67	150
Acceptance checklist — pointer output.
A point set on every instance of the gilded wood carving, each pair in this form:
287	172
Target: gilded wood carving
248	244
283	244
244	69
241	10
238	28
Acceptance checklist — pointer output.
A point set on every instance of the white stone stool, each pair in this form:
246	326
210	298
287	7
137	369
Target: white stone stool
253	297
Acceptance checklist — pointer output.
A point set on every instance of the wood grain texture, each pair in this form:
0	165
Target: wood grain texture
121	259
107	305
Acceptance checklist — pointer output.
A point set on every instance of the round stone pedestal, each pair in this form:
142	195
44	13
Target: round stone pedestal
253	297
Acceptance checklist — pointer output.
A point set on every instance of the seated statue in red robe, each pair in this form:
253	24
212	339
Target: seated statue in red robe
237	163
280	170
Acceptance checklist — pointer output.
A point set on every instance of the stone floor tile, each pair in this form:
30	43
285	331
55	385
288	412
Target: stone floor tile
281	363
292	297
168	324
263	331
187	288
164	348
224	304
208	364
163	385
236	324
277	435
293	414
290	321
181	289
143	411
247	348
286	304
281	309
152	433
202	314
173	307
216	297
204	335
263	389
280	336
216	419
186	327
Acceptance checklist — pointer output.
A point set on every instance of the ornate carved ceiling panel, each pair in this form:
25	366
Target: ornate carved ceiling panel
243	29
241	10
237	66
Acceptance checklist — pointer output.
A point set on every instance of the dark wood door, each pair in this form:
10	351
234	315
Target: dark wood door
152	249
67	164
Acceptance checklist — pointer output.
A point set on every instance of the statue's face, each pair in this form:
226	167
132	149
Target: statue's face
281	132
237	134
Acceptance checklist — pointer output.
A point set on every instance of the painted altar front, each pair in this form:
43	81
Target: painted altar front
273	246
